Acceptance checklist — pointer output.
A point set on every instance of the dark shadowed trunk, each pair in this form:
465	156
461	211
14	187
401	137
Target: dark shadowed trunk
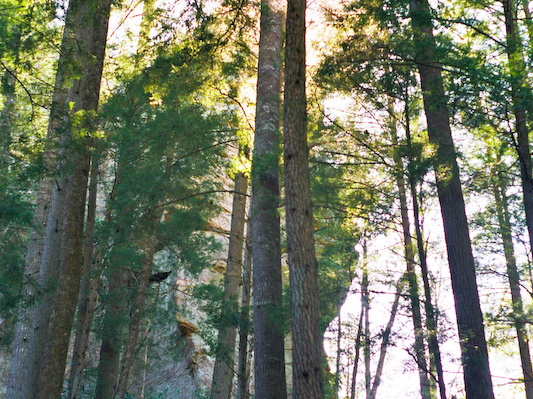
38	368
478	382
244	330
306	339
87	290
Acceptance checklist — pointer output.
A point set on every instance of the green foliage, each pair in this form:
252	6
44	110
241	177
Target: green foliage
20	24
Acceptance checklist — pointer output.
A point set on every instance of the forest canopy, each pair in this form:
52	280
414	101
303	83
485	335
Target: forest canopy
266	199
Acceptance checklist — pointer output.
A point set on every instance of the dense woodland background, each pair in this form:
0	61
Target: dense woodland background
158	164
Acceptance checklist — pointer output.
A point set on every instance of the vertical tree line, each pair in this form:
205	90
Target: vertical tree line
126	172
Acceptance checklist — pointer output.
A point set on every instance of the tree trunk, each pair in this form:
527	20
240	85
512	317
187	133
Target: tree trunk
242	374
42	370
339	351
409	249
365	303
8	90
113	332
7	115
357	350
269	355
385	339
121	380
87	290
528	20
519	94
306	339
117	312
224	364
70	208
478	382
431	320
502	211
20	348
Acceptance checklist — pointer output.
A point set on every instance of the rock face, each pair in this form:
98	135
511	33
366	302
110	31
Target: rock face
179	369
176	363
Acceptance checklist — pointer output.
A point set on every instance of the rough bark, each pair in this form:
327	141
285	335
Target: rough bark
20	347
477	378
22	356
306	339
87	290
224	364
269	355
502	212
70	208
242	374
83	48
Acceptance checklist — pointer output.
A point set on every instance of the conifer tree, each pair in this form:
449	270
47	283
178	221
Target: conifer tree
37	369
474	352
269	352
306	340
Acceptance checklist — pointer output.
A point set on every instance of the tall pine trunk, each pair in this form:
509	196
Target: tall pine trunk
269	352
504	222
474	352
520	93
303	267
227	333
412	279
38	367
416	314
